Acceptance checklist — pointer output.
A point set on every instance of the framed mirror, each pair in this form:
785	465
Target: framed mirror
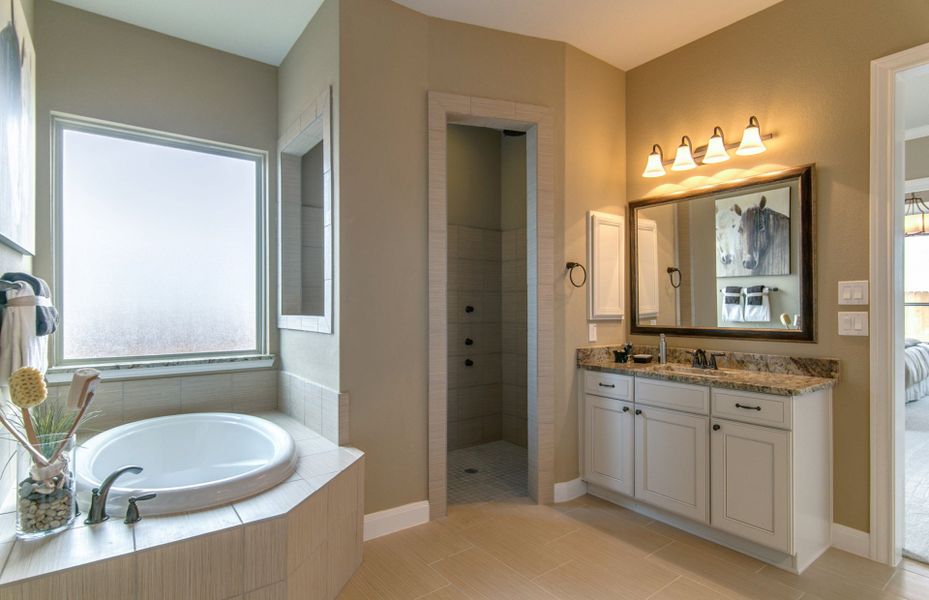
736	260
305	222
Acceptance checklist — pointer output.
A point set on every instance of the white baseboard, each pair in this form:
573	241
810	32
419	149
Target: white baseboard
851	540
569	490
396	519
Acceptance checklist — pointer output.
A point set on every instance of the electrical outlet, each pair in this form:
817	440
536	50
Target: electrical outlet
591	332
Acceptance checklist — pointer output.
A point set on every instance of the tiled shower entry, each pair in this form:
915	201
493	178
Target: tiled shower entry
493	471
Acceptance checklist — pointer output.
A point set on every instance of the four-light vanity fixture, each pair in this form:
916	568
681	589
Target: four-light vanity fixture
715	151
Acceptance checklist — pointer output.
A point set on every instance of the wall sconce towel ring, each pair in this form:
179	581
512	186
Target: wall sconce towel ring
570	267
671	272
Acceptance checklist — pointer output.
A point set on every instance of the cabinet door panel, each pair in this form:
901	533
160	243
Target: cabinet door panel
609	446
671	456
751	482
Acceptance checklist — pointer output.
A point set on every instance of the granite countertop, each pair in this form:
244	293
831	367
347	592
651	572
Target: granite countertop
735	379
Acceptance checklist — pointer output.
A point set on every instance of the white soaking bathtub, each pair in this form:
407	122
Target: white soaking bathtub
191	461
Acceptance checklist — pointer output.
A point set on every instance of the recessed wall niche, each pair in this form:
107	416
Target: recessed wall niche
305	222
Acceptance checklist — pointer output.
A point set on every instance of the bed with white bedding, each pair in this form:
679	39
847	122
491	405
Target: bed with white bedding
917	369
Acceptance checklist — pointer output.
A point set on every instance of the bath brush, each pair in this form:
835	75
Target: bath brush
27	390
80	396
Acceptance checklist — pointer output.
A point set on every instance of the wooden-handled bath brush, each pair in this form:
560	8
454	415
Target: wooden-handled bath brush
80	396
28	390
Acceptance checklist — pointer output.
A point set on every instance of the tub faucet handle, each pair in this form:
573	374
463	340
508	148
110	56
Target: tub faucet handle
132	513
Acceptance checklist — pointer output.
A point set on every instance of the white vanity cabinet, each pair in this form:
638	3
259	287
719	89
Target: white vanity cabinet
610	444
751	482
671	456
751	471
610	429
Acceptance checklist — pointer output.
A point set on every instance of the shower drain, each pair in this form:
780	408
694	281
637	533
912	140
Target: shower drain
471	470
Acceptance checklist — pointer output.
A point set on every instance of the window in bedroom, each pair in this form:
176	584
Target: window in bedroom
158	245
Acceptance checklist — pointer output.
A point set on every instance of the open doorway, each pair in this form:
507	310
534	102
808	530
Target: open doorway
487	312
915	96
899	470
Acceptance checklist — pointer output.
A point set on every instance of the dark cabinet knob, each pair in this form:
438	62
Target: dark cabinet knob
469	362
625	409
468	341
469	309
716	427
638	411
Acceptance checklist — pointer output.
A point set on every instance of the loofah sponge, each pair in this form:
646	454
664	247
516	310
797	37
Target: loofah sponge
27	387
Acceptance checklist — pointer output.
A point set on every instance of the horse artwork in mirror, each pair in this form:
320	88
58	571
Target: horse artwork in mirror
735	260
305	251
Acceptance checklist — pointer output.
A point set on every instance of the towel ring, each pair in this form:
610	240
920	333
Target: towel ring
574	265
671	272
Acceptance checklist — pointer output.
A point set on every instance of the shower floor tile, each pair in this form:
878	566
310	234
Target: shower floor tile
501	472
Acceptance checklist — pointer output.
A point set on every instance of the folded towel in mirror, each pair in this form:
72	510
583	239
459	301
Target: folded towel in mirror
732	304
757	305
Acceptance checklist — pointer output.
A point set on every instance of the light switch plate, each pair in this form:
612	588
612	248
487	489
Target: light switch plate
591	332
853	323
853	292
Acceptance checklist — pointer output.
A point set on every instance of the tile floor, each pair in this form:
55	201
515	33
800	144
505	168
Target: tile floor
501	473
589	548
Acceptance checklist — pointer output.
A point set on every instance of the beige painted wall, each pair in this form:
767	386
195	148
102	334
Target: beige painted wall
390	58
310	66
96	67
474	185
916	158
803	68
595	158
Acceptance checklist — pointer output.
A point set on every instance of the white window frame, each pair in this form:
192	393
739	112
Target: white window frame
160	363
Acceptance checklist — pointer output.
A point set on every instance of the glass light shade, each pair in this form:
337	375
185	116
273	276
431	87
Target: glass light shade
751	139
654	168
715	150
684	159
917	224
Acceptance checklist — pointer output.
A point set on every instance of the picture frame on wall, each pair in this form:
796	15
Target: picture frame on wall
17	129
753	234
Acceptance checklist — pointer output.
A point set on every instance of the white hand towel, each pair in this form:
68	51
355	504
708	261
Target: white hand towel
757	305
19	344
732	304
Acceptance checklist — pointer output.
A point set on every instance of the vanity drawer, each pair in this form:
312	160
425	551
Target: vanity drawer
748	407
669	394
609	385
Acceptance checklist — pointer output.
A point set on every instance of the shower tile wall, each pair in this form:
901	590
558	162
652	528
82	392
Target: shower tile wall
514	341
475	393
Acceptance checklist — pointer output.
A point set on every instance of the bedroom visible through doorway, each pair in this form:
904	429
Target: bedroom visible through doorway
916	318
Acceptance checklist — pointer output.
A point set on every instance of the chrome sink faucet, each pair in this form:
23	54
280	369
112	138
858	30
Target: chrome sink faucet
662	349
97	512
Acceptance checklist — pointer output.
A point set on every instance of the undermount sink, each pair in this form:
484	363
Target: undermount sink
685	370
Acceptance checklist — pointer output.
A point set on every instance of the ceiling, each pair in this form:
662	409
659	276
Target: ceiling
625	33
264	31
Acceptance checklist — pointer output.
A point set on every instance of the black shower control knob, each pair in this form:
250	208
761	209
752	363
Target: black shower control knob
469	342
469	309
469	362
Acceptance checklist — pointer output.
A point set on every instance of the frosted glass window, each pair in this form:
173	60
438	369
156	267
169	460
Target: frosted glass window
158	246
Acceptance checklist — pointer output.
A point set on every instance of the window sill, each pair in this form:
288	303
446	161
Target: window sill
141	370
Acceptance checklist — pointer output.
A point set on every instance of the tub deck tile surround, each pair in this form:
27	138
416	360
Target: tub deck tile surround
301	539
